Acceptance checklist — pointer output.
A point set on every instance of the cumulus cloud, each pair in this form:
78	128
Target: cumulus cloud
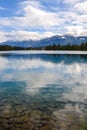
81	7
34	18
2	36
23	35
32	15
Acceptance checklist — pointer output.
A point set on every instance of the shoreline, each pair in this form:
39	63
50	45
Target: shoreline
44	52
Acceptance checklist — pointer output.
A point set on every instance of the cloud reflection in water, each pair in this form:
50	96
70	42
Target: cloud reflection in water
39	72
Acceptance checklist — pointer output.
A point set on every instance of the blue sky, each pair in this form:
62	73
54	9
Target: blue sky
35	19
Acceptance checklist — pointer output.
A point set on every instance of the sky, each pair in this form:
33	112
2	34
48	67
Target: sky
36	19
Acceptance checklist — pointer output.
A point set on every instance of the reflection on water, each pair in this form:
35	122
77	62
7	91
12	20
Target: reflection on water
43	92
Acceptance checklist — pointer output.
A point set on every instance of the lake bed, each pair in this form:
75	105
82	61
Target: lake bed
43	90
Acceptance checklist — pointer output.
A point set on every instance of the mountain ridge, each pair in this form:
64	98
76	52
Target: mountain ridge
57	39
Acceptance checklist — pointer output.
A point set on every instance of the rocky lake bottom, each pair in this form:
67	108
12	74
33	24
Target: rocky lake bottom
43	92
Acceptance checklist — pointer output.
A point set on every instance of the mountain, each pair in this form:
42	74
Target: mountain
65	39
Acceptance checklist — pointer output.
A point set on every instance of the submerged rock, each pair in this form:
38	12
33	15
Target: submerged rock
69	118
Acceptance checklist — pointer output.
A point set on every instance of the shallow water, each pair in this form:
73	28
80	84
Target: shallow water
43	91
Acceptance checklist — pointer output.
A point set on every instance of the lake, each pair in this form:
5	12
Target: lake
43	90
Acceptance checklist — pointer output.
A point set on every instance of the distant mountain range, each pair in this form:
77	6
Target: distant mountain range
65	39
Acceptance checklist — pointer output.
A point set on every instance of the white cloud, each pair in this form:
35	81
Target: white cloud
75	30
71	2
5	22
81	7
33	15
2	36
23	35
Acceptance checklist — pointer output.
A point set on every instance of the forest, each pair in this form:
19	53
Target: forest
81	47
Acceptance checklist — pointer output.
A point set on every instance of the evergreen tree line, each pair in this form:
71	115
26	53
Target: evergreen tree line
82	47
